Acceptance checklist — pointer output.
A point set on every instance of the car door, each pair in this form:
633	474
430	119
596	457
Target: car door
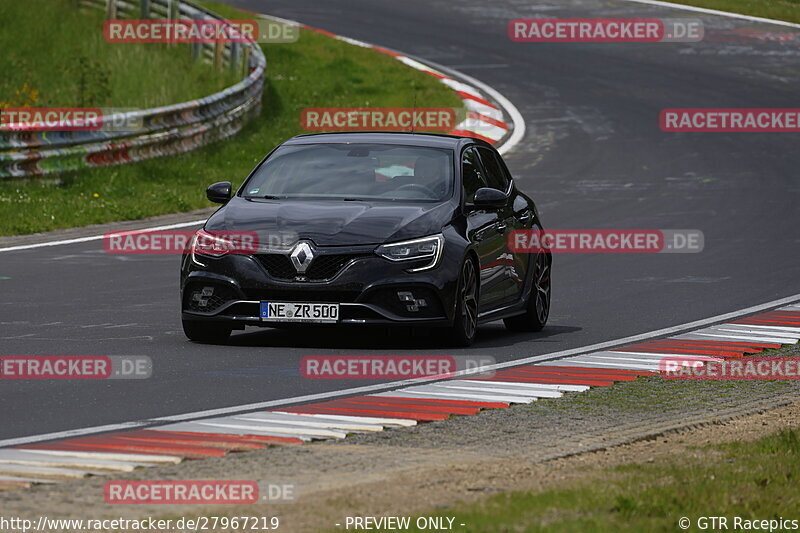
482	229
511	280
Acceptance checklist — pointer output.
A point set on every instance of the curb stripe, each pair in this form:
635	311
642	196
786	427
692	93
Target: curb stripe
468	93
395	413
412	402
485	118
468	96
475	403
466	133
678	352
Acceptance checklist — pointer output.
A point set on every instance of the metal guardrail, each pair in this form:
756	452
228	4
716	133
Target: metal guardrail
160	131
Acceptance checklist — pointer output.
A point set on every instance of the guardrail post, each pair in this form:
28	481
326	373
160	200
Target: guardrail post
234	59
111	9
219	48
197	47
144	9
173	13
246	61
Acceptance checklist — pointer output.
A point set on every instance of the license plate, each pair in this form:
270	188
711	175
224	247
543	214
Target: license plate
299	312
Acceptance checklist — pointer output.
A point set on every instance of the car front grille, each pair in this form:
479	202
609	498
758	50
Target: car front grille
323	267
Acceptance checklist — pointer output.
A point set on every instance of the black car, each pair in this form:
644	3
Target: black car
373	229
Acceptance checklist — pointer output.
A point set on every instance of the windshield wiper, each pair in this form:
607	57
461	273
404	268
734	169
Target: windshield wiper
353	200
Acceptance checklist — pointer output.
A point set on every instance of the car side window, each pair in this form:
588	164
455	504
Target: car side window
496	175
471	172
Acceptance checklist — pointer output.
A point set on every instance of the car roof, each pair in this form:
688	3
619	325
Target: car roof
432	140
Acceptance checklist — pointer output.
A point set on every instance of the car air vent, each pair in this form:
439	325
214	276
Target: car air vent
323	267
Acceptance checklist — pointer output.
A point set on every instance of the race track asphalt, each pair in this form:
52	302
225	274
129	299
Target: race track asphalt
593	157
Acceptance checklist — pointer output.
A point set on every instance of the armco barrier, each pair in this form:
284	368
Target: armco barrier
161	131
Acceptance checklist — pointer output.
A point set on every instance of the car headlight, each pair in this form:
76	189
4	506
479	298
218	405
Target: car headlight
220	244
414	250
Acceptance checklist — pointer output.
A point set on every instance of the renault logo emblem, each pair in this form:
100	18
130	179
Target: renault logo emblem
301	256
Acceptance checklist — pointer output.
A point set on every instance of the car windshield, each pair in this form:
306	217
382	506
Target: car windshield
370	172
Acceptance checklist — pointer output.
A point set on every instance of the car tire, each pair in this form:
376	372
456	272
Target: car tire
465	320
537	309
206	332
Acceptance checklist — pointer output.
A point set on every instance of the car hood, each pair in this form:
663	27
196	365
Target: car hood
331	223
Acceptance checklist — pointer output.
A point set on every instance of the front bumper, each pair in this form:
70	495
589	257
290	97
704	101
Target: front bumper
230	289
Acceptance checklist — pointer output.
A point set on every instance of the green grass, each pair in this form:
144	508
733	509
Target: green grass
788	10
56	55
316	71
753	480
654	393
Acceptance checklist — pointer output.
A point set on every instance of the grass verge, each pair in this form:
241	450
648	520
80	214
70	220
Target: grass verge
787	10
55	55
752	480
316	71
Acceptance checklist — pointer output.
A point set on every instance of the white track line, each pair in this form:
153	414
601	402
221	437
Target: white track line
402	422
211	426
752	338
111	456
536	386
301	420
655	365
684	356
408	395
436	391
46	472
466	385
99	237
555	358
203	427
612	364
16	479
716	12
281	430
22	457
733	328
770	329
280	425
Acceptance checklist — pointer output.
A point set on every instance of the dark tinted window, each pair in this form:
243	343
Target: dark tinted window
472	174
355	171
496	174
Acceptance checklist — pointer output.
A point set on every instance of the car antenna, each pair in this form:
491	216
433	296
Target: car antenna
414	108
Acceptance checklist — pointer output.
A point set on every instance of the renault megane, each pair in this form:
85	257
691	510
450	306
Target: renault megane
372	229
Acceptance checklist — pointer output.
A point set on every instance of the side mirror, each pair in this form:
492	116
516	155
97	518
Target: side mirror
488	198
219	193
